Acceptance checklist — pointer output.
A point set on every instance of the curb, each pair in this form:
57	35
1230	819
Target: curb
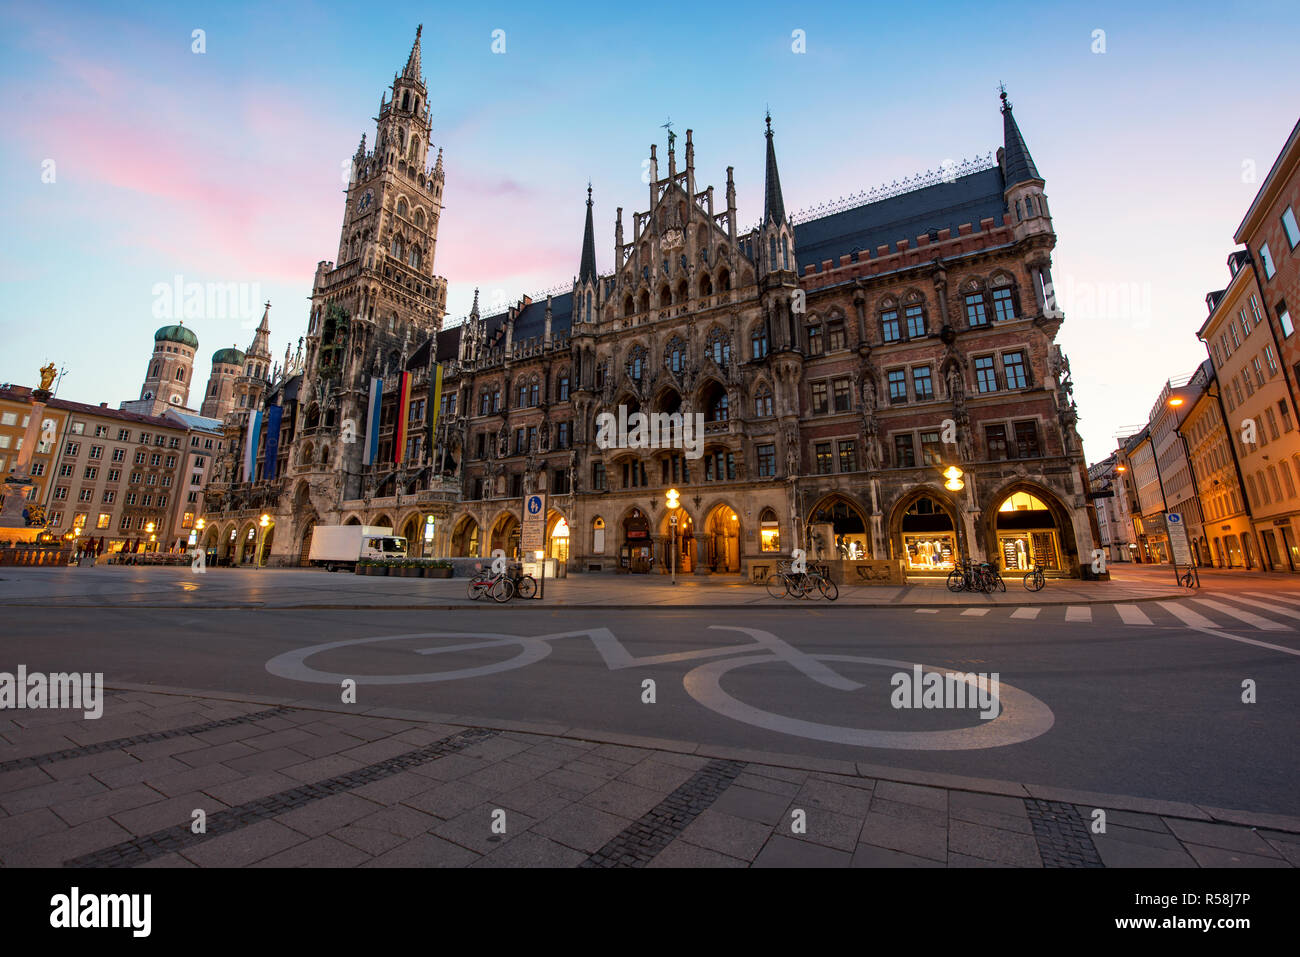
525	605
952	782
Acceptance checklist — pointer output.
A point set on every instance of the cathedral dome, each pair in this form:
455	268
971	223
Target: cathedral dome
177	333
228	357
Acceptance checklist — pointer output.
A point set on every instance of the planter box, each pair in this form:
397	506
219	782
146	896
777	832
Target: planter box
437	573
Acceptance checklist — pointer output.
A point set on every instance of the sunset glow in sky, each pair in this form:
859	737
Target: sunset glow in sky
227	166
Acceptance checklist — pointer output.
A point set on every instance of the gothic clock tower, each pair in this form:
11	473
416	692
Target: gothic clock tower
380	299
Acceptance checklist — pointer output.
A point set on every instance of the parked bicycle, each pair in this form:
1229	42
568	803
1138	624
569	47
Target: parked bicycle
499	587
787	583
504	586
975	576
1035	580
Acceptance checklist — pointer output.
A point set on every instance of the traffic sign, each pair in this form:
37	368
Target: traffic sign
1182	552
532	536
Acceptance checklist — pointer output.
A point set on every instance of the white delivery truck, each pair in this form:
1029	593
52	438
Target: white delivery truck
342	546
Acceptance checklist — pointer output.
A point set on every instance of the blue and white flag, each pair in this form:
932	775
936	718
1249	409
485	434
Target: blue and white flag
372	421
250	445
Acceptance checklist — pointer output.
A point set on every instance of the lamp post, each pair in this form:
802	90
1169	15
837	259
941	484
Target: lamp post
671	500
263	523
152	537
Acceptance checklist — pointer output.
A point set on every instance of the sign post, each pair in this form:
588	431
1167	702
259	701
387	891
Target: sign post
1179	548
532	534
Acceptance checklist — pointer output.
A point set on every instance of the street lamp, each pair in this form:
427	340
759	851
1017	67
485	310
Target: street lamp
152	537
671	500
954	476
264	522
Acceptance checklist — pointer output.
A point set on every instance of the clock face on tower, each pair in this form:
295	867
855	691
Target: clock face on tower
363	204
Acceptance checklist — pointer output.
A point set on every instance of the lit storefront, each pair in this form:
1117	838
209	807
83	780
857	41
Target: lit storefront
839	531
560	541
929	539
1027	534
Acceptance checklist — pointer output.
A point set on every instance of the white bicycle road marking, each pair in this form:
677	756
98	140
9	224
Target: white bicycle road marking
1021	716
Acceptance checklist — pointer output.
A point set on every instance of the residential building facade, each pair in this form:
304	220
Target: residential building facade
1261	415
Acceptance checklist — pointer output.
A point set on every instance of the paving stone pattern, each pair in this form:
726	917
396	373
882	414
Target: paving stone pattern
638	845
297	786
118	744
1063	838
140	850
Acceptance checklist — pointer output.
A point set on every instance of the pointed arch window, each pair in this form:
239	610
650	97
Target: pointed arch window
401	207
763	402
636	363
675	355
718	347
758	341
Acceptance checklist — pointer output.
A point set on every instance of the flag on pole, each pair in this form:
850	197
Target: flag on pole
250	445
273	415
403	414
372	421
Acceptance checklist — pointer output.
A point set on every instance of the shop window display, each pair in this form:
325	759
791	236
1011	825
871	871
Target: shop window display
1027	534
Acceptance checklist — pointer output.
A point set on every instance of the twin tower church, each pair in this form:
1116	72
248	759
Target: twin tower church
877	382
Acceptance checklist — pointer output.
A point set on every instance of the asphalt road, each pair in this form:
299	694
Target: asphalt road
1153	710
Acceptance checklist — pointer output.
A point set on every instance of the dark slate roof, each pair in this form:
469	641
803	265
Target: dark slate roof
587	266
531	322
968	199
449	344
1020	165
773	201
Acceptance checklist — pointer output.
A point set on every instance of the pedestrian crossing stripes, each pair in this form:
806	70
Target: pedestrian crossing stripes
1132	615
1222	614
1289	599
1250	618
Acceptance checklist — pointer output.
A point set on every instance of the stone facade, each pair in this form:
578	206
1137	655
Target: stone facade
840	362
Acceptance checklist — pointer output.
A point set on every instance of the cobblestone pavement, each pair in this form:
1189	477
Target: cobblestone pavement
285	786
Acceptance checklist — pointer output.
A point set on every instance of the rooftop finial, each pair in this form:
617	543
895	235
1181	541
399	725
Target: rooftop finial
412	71
1002	91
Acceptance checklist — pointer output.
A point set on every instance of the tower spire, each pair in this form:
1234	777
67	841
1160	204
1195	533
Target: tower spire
412	71
773	201
1018	165
587	268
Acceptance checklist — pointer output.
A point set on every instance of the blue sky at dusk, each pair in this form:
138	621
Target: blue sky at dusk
226	166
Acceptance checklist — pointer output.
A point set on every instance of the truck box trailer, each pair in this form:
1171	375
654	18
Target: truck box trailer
342	546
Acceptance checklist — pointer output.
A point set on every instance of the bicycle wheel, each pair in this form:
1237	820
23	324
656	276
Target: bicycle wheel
503	589
1034	581
998	583
476	589
828	589
526	587
956	580
1186	580
776	586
